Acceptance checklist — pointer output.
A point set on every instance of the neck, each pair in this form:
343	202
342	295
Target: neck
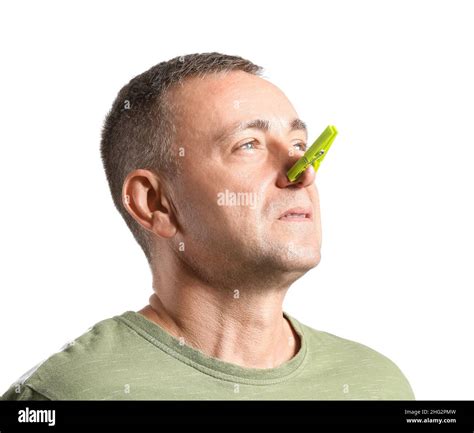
240	327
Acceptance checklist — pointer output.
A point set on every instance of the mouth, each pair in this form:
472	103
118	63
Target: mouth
297	214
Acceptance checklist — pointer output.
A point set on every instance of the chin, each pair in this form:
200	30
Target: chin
303	254
302	264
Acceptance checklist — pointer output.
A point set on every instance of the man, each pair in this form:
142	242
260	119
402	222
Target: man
196	151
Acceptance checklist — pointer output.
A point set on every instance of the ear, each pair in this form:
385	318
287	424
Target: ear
144	197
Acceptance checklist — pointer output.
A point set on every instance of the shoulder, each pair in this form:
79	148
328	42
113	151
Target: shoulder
84	362
366	368
19	391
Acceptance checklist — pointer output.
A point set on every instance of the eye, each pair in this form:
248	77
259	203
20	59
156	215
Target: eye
254	143
243	146
302	146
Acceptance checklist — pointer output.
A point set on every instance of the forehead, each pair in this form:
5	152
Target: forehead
209	102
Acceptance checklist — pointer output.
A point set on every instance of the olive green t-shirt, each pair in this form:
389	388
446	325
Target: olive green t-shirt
129	357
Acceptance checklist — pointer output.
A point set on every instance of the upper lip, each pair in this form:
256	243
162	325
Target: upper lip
302	210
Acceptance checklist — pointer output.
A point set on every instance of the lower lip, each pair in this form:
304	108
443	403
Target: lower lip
297	219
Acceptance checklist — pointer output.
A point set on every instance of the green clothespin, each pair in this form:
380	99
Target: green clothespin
314	155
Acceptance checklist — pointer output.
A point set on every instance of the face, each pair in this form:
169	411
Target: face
233	187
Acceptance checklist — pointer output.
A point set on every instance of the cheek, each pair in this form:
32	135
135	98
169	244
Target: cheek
206	206
221	197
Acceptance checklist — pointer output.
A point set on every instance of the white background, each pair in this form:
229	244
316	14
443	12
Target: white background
395	77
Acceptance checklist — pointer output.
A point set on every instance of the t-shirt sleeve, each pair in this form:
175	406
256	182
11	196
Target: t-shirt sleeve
22	392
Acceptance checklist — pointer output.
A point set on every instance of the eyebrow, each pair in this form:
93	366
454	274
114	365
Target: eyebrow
261	124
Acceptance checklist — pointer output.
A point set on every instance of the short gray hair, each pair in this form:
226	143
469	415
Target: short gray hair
139	132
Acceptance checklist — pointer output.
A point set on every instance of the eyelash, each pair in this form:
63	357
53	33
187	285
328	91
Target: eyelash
254	141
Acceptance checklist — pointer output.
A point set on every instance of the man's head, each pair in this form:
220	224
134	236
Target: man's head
192	185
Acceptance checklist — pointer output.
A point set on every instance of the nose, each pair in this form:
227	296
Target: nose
305	179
